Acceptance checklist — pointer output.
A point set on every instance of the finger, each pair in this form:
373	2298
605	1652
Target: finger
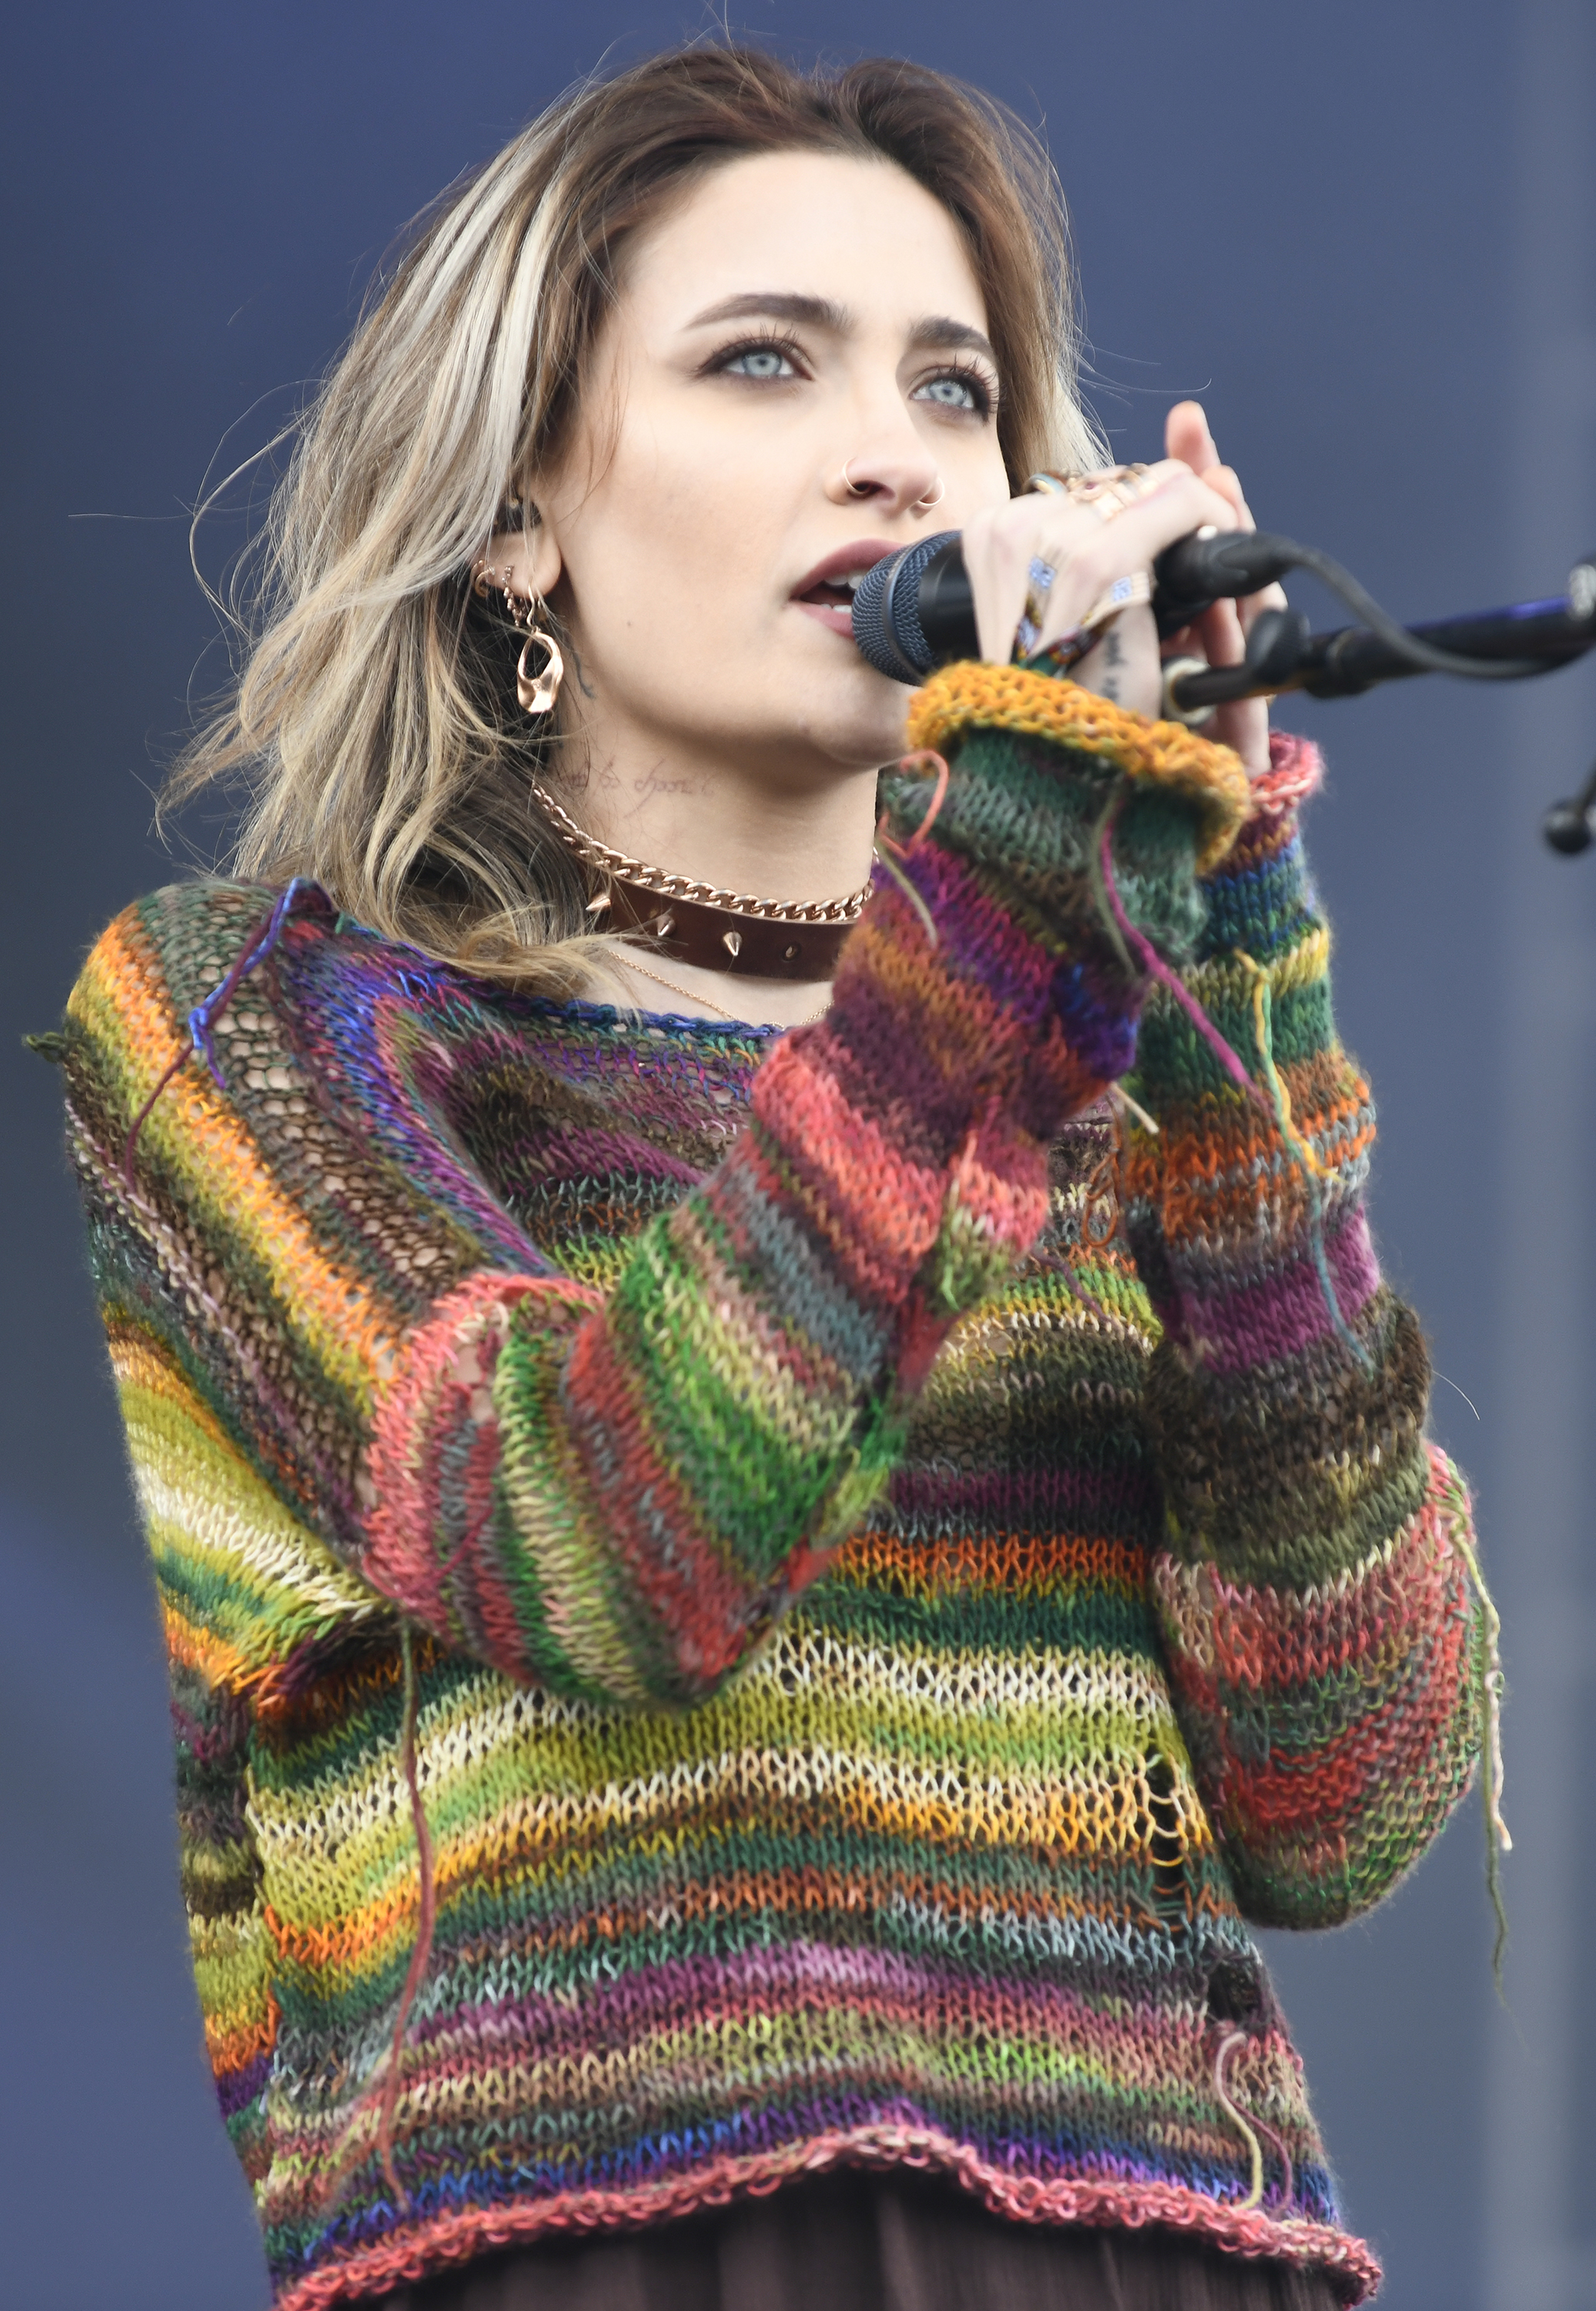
999	584
1221	636
1245	725
1227	482
999	547
1127	545
1273	598
1186	436
994	559
1161	470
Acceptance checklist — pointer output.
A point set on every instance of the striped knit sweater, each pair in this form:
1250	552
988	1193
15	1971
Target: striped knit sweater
742	1601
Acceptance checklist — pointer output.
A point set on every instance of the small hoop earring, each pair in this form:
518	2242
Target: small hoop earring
853	488
536	694
924	505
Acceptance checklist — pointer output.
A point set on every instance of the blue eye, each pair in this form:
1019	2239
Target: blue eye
952	393
760	362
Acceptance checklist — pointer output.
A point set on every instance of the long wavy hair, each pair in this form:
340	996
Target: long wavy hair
374	722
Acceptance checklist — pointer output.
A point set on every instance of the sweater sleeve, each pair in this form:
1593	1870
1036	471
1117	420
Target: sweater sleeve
610	1493
1316	1578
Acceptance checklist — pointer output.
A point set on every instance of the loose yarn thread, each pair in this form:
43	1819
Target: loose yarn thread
1313	1170
1154	967
1226	2047
1498	1840
202	1019
1123	1100
889	853
1275	1106
920	763
1250	2127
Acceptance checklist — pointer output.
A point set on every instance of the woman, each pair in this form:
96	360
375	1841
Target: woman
751	1612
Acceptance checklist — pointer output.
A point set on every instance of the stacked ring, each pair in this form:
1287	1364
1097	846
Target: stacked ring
1109	492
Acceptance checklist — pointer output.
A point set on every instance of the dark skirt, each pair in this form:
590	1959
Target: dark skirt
851	2241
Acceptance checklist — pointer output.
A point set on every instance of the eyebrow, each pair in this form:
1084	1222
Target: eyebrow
945	335
777	305
938	330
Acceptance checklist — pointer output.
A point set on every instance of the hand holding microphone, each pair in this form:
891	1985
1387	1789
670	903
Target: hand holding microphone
1219	634
1040	565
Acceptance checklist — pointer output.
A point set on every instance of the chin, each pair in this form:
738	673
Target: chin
855	717
862	743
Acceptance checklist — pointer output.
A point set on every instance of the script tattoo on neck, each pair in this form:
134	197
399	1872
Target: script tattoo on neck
651	784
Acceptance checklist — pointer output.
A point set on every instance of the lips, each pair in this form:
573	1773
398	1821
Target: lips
825	594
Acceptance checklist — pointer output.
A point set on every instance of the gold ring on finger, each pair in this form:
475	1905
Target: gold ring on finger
1109	492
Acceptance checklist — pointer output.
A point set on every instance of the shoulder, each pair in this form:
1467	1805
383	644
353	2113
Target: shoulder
177	942
201	959
159	964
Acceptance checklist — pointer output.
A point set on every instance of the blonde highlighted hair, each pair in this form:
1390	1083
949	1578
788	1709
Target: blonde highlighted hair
374	720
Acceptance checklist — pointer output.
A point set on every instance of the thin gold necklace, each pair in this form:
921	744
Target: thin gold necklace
708	1001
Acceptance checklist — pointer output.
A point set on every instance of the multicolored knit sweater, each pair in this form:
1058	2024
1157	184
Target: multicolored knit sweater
743	1602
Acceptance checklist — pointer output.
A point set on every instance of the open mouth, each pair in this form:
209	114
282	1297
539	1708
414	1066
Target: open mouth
827	593
839	592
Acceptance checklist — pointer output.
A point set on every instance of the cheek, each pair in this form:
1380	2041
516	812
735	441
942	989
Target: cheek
683	542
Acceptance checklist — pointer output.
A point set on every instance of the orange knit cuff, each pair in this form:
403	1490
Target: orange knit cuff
972	696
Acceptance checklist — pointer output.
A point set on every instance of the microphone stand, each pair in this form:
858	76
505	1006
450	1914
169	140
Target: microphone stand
1510	645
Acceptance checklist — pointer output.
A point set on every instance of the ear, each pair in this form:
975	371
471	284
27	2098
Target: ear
531	561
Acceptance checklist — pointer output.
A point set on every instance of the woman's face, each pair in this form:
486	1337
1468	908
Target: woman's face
796	314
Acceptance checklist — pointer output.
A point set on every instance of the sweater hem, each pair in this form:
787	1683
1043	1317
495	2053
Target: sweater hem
427	2248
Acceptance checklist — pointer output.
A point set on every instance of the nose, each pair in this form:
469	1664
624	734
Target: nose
896	476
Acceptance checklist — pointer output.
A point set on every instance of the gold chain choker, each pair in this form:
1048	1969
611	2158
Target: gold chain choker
696	923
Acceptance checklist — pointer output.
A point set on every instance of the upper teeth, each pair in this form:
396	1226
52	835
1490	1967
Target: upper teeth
854	578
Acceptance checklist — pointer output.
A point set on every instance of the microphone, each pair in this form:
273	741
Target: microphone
914	612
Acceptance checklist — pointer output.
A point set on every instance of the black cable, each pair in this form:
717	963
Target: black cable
1381	624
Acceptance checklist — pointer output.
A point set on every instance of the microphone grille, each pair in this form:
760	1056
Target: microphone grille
887	623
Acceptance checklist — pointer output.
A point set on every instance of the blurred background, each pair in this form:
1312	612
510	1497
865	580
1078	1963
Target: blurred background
1365	235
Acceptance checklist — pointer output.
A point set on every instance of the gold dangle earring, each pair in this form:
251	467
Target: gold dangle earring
536	694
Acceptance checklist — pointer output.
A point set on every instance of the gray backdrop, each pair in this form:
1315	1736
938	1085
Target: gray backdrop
1363	232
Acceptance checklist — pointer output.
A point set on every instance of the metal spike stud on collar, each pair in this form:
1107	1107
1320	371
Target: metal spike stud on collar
697	923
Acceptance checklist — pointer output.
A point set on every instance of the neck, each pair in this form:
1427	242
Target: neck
794	838
788	833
